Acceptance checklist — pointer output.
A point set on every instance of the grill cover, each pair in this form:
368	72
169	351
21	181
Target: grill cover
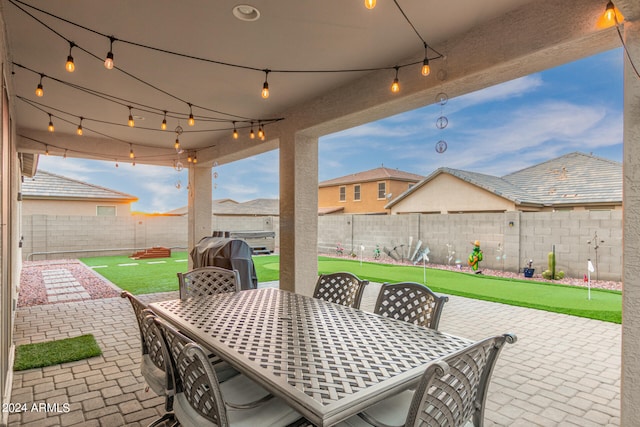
232	254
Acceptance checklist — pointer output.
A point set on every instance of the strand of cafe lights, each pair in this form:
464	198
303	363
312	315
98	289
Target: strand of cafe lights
265	92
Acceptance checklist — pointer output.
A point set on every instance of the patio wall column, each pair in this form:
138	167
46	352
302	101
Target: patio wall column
298	213
199	206
630	411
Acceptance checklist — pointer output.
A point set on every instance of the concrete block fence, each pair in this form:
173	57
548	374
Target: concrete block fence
509	240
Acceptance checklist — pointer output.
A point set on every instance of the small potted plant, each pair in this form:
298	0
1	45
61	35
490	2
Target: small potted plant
529	270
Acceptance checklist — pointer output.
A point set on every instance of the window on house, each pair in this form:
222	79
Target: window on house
106	210
356	192
343	194
382	190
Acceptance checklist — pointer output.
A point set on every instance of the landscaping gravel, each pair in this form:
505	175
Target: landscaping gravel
33	292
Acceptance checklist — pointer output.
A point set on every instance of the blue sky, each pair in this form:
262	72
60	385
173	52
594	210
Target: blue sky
498	130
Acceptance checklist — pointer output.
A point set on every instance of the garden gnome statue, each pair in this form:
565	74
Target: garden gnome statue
475	257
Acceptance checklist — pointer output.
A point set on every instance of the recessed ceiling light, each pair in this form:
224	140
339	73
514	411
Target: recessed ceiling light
244	12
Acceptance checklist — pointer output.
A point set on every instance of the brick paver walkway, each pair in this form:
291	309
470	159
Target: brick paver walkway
563	371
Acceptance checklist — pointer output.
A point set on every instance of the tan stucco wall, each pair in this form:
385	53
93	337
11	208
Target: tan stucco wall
448	194
71	207
368	203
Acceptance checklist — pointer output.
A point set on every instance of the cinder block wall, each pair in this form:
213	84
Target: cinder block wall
508	239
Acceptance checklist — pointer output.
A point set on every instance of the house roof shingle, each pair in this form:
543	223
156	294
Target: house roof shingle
376	174
46	185
575	178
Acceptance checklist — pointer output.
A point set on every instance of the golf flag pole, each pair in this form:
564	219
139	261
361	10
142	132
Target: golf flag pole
590	270
424	268
361	252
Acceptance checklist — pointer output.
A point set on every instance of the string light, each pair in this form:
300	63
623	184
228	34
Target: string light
79	130
191	120
70	66
108	62
610	17
395	87
163	126
370	4
235	131
251	134
260	132
131	154
189	159
51	128
265	86
195	158
176	145
39	89
46	150
131	123
426	69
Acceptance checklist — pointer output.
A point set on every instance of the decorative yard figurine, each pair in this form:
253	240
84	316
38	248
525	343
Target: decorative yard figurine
475	257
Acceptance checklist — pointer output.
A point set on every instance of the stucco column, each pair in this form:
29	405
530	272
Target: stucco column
630	413
199	206
298	213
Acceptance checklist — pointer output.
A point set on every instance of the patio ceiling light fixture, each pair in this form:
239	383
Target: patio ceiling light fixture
79	130
163	126
245	12
395	86
369	4
235	131
426	69
50	128
191	120
131	123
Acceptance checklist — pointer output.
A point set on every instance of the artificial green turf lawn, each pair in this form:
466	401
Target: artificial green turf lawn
146	276
29	356
604	305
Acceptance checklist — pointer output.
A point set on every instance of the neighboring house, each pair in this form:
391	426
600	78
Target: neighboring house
50	194
229	207
364	192
575	181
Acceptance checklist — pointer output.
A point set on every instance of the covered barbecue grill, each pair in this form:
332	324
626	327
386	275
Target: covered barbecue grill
232	254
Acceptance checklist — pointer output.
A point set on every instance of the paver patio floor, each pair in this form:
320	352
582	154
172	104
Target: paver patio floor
563	371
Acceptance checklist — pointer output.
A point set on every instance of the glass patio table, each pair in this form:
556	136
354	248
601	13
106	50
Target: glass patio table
325	360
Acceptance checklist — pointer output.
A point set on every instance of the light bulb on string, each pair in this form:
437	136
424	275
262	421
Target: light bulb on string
260	132
131	154
163	126
191	120
369	4
40	89
50	127
70	66
426	69
251	134
265	85
79	130
189	159
46	150
610	17
176	145
195	158
108	62
235	131
395	87
131	123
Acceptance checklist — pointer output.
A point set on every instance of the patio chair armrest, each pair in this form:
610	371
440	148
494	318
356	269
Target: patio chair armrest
250	405
374	422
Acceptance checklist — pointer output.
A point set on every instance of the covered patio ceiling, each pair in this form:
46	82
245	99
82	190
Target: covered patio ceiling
197	57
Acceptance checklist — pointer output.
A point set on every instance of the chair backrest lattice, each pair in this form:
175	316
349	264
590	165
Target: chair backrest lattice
453	391
410	302
150	341
205	281
193	375
341	288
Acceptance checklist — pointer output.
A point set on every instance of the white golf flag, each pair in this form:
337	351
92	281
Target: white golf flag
590	267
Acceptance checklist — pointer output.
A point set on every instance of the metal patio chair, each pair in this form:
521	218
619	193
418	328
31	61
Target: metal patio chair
340	288
452	392
208	281
411	302
152	363
201	401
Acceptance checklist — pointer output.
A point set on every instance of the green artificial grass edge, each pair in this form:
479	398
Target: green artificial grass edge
39	355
